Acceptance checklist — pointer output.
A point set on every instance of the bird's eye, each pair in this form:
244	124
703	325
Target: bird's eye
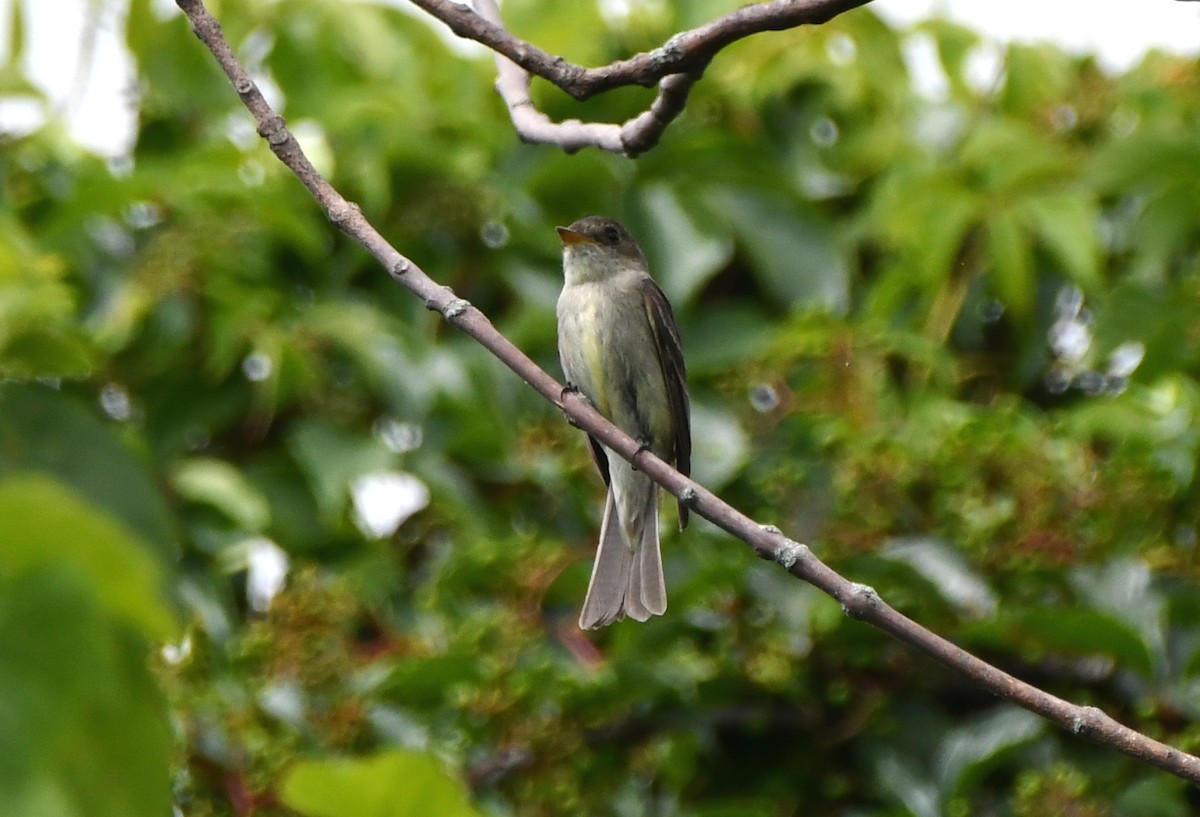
612	235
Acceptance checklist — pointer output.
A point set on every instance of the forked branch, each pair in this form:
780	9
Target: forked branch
676	66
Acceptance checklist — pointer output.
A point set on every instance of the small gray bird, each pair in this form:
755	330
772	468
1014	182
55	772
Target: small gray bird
619	346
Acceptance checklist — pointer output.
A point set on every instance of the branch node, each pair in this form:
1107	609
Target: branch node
243	86
669	53
790	552
273	128
400	266
1086	720
771	529
862	598
344	214
688	496
455	308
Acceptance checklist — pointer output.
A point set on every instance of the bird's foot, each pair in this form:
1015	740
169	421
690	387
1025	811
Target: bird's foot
643	445
572	389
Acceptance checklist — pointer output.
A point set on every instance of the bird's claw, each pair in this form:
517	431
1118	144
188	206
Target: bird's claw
571	388
643	445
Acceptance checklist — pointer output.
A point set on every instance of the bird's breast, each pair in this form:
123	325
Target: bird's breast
583	341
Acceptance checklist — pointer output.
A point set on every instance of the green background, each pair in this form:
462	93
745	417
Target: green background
868	281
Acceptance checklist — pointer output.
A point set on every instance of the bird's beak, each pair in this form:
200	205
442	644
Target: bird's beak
570	236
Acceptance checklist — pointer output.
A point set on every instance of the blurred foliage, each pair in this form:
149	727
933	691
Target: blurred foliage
83	729
277	542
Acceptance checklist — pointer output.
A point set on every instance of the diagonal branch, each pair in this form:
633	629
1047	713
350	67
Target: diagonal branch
859	601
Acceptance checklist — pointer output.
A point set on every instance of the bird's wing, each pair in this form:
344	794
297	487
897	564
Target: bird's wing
599	457
670	357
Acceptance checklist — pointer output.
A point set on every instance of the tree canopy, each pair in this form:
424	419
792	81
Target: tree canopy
946	336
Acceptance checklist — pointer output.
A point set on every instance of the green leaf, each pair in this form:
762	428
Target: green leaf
83	727
1132	310
901	777
924	213
1013	275
721	446
185	77
574	30
44	430
1080	631
15	53
14	83
954	45
219	484
38	336
392	784
83	730
34	676
1166	226
1067	222
369	338
947	571
1144	161
42	351
426	681
1035	76
698	12
1008	157
684	255
725	335
332	458
969	750
45	523
1156	795
1125	589
794	253
1158	420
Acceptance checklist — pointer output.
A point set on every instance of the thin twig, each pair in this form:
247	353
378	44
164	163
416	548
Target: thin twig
859	601
642	132
531	125
632	138
683	53
676	66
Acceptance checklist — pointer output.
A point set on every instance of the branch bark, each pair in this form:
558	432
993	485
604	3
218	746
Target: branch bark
683	53
632	138
768	542
676	66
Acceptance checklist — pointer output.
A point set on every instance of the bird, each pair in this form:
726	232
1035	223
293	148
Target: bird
620	348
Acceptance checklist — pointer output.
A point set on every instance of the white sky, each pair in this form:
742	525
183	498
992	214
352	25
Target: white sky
1120	31
97	110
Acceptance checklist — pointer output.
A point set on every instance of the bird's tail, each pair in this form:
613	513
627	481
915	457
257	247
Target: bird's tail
626	580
